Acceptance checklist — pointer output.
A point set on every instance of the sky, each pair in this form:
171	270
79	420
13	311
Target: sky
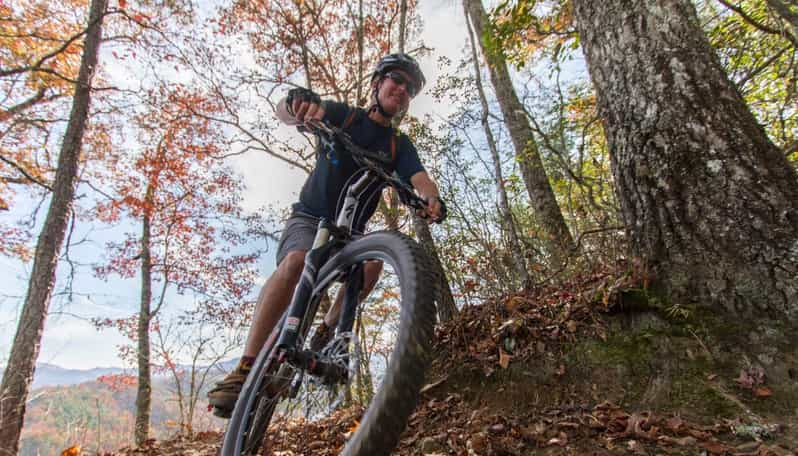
71	341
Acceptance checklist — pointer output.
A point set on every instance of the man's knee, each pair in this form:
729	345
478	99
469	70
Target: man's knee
290	267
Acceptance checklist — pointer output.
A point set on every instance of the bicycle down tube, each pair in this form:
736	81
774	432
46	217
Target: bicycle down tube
316	256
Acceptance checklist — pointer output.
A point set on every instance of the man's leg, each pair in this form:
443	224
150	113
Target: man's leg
371	273
273	300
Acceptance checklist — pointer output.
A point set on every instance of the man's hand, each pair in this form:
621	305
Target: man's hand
304	105
436	209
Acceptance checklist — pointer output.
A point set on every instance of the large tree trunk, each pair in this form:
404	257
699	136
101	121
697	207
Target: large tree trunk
508	223
534	175
144	391
25	349
787	10
711	205
444	301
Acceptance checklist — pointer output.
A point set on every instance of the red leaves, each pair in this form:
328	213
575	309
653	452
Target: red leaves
185	194
525	326
118	382
753	379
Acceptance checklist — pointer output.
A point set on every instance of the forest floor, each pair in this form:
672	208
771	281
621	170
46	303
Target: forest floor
505	382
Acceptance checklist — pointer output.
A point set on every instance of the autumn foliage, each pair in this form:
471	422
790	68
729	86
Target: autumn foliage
178	181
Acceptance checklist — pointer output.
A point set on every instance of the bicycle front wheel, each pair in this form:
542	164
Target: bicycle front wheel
395	398
408	280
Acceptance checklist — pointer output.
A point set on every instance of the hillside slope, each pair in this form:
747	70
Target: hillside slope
584	369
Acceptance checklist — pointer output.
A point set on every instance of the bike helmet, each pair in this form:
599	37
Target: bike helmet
397	61
402	62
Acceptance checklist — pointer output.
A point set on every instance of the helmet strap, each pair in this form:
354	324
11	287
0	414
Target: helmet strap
377	100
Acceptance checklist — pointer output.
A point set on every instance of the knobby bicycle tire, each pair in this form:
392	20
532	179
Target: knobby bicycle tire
386	416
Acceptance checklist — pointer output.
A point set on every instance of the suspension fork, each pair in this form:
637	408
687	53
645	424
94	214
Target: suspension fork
295	317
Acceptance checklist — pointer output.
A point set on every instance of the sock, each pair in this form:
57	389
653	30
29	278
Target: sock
245	364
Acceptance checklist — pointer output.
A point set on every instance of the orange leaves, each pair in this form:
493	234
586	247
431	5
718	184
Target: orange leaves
763	391
36	35
504	358
15	243
118	382
71	451
321	28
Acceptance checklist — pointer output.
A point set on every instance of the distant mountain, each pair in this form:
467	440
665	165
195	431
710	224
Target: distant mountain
101	418
50	375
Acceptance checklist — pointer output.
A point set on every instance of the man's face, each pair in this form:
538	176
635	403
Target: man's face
395	91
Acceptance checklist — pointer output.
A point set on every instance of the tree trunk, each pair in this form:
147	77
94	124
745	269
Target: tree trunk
444	300
537	183
25	349
787	10
144	391
508	223
711	205
359	98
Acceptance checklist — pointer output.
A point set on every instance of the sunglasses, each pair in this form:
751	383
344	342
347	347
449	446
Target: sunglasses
399	79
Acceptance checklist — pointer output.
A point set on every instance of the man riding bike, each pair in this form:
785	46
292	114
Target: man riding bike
396	79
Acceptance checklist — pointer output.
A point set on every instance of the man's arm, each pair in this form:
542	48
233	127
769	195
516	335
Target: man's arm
427	189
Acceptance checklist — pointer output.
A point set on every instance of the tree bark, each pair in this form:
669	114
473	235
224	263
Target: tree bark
144	390
787	10
710	203
447	309
25	349
535	179
508	223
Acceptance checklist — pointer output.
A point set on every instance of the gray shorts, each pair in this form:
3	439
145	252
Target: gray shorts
298	234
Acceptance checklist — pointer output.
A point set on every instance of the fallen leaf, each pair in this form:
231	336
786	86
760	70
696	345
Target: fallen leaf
557	441
715	447
763	392
571	326
674	423
504	359
71	451
637	447
513	303
684	441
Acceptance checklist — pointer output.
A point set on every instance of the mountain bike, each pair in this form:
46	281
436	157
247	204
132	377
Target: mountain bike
287	370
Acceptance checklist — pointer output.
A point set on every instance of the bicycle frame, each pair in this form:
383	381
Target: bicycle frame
328	237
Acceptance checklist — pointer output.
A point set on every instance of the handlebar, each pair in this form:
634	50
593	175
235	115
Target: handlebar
331	135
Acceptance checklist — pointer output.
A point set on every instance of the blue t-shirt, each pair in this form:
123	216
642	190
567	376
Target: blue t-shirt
321	192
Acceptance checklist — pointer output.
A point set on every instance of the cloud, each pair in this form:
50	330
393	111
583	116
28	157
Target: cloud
77	344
